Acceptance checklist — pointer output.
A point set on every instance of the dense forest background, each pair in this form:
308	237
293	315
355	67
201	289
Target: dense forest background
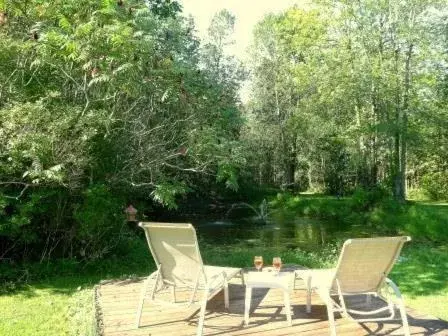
113	102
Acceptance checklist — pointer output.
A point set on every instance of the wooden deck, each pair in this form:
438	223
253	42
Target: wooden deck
116	304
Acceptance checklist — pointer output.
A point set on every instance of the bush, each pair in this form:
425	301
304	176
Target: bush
387	215
363	199
55	223
426	222
417	194
100	221
375	208
36	226
435	185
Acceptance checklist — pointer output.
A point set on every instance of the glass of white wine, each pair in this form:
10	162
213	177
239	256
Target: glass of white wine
277	264
258	262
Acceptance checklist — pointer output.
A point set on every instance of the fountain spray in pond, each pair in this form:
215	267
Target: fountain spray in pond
261	214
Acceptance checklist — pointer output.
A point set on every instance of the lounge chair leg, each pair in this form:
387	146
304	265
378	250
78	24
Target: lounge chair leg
341	299
140	306
242	277
226	294
308	295
247	305
202	313
331	317
142	299
194	293
401	306
404	318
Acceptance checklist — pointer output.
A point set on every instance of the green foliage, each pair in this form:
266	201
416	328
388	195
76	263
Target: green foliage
104	103
45	144
363	199
337	168
166	193
101	103
100	222
375	208
165	8
228	173
349	94
425	221
417	194
282	125
435	185
338	211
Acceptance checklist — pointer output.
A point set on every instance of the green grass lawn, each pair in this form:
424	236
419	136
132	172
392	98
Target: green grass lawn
63	305
422	275
58	307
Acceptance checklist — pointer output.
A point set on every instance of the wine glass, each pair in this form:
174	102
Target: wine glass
258	262
277	264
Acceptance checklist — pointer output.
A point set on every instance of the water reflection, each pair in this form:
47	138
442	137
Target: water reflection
281	230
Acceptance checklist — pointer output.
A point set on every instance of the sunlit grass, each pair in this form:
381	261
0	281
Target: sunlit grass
422	276
44	309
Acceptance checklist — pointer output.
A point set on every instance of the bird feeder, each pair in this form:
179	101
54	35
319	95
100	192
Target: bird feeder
182	151
131	213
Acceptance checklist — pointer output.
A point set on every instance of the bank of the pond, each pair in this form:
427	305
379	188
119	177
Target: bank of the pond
63	304
424	221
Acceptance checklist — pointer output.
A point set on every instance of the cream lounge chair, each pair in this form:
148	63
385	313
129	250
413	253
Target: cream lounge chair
362	268
175	250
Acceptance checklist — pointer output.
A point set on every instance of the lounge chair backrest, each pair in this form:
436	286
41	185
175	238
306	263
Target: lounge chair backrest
175	250
365	263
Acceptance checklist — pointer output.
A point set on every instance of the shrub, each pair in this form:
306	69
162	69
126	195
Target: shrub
426	222
435	185
375	208
363	199
100	221
417	194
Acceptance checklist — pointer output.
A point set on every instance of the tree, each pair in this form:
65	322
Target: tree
284	79
361	73
103	103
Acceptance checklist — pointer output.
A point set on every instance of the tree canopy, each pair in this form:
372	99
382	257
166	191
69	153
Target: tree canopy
107	103
352	94
107	100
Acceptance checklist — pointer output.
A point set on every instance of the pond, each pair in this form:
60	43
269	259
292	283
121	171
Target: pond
280	229
299	232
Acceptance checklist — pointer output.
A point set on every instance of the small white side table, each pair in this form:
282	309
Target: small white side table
282	280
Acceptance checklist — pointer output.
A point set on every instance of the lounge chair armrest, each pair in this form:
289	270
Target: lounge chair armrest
222	276
395	288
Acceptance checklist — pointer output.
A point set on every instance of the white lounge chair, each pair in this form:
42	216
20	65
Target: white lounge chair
175	250
362	268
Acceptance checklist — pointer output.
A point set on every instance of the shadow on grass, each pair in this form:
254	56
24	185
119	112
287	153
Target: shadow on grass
422	270
68	276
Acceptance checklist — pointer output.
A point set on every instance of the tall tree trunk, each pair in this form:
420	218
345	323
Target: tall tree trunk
310	175
290	161
377	111
404	127
400	156
291	170
396	169
374	163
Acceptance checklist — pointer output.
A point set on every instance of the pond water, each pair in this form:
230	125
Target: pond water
279	229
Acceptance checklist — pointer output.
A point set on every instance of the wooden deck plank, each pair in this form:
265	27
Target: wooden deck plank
117	304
